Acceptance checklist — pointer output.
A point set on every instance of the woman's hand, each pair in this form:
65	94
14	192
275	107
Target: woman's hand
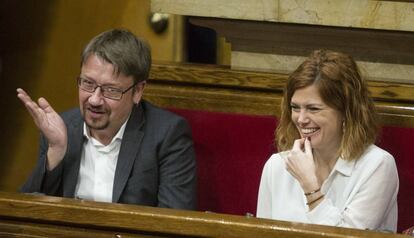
300	165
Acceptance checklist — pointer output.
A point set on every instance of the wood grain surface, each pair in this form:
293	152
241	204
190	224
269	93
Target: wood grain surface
218	88
27	215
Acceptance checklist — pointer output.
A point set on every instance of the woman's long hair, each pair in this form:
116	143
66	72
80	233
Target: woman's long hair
341	87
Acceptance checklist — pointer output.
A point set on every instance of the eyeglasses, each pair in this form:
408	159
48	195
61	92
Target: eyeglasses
109	92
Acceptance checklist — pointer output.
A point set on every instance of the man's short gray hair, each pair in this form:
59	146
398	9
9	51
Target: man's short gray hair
129	54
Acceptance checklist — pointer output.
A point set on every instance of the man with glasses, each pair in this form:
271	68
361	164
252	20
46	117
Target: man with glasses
115	147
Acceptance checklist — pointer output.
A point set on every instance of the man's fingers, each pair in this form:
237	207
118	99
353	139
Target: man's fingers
35	110
23	96
27	101
31	107
44	105
20	91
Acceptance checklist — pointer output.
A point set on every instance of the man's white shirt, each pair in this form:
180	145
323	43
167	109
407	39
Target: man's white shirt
97	167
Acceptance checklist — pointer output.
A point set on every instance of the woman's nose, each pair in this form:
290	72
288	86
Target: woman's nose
303	117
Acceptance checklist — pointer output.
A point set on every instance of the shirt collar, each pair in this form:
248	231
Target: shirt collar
344	167
119	135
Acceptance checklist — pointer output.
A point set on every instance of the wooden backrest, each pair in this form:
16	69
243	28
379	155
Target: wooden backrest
233	115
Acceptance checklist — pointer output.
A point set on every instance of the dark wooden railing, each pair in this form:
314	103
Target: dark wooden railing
28	215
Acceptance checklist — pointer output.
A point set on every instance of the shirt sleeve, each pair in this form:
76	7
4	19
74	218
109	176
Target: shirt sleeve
264	200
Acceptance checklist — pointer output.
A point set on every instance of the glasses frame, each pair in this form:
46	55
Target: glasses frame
103	89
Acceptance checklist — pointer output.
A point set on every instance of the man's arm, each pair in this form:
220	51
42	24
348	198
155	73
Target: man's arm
41	180
177	170
53	144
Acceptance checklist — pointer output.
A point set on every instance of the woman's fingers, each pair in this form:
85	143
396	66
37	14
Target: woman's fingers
308	147
298	144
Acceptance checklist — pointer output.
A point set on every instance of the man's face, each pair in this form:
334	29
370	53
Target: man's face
102	115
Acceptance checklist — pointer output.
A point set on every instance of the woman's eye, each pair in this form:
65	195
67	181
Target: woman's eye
295	108
314	109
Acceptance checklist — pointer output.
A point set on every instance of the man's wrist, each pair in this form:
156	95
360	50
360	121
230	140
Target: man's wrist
54	157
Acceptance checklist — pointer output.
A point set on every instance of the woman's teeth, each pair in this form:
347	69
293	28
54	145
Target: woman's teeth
308	130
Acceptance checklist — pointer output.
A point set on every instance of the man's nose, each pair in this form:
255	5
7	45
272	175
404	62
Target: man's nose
96	98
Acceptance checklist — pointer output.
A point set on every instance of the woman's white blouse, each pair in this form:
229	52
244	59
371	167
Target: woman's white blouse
359	194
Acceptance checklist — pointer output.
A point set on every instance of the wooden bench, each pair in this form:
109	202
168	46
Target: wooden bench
233	115
28	215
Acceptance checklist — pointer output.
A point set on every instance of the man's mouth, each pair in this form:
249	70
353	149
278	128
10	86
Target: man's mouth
96	111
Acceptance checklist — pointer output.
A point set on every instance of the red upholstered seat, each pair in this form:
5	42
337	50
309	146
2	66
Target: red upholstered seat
399	142
231	150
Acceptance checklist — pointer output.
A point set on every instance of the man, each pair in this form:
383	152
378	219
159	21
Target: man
116	147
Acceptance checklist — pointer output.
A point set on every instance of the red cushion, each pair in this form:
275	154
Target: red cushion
399	142
231	150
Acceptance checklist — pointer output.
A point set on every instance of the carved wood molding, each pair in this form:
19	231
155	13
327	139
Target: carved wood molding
218	88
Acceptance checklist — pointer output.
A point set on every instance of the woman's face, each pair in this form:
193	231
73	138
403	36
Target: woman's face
316	120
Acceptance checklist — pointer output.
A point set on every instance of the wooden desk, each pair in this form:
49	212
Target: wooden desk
27	215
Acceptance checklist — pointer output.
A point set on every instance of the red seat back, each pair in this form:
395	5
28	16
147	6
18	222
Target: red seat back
231	150
399	142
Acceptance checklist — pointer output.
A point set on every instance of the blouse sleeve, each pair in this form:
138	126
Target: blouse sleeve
264	204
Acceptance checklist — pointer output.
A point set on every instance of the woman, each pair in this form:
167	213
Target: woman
330	172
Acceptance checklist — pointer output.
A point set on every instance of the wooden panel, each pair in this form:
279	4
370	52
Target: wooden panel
215	88
22	215
300	39
34	229
223	76
213	99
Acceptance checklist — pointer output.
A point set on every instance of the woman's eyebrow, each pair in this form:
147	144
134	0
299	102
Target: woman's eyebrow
315	105
307	104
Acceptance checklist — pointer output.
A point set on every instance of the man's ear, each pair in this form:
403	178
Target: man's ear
139	91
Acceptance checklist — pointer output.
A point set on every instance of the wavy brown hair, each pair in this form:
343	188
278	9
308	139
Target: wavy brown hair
341	87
